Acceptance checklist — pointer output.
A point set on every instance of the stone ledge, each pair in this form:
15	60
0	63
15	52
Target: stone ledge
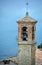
26	43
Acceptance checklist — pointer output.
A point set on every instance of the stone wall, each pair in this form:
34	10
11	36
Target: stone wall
25	55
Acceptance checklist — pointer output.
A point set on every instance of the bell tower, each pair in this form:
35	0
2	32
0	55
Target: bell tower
26	40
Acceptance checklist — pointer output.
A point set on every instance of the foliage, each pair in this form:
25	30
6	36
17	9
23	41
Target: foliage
40	46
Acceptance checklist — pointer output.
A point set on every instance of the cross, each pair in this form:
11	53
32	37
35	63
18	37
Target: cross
27	6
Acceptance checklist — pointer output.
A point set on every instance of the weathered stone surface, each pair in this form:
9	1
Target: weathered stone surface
24	57
26	54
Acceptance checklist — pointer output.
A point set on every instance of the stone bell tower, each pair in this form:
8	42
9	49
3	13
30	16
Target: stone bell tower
26	40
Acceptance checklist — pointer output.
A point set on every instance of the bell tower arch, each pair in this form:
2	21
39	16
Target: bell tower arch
24	34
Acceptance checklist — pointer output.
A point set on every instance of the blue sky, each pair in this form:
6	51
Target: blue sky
10	12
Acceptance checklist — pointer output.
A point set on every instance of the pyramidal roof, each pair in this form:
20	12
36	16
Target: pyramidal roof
27	19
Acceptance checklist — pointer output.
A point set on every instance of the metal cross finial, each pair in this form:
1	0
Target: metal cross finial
27	8
27	5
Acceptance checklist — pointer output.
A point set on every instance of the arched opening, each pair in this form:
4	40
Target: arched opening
24	34
33	33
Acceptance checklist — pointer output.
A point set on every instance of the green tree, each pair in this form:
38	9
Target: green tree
40	46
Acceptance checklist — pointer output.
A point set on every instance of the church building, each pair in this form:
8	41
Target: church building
26	40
